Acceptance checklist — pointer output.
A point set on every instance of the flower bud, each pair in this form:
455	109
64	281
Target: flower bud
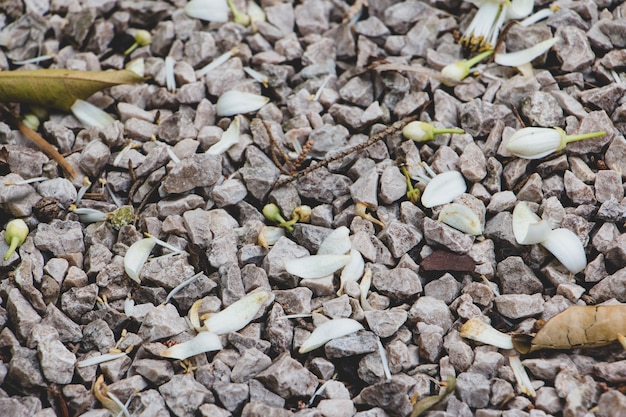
15	235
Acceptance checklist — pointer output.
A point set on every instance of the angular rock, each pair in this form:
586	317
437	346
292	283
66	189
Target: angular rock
183	395
288	378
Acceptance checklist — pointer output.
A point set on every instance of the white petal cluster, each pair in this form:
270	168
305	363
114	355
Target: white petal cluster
530	229
535	142
443	188
208	10
461	218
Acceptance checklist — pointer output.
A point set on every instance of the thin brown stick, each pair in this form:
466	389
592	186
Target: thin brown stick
394	127
275	147
41	143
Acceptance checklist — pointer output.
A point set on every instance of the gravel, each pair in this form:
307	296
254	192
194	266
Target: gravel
65	296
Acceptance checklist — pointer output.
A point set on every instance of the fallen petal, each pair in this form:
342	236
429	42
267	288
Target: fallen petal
515	59
237	315
136	256
201	343
90	115
229	139
99	359
523	381
238	102
480	331
336	243
444	188
316	266
353	271
528	228
208	10
567	248
328	331
461	218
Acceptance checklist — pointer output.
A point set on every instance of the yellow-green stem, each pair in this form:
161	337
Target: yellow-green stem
442	131
475	60
583	136
413	194
15	241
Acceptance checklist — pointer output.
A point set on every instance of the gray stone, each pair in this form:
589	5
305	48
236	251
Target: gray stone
98	336
273	263
288	378
57	363
68	331
60	189
156	371
21	313
251	362
446	288
183	395
578	191
337	307
516	306
258	409
542	110
437	233
593	122
259	172
162	322
355	344
573	49
389	395
200	170
399	283
608	185
516	277
399	237
392	185
24	369
60	237
431	311
295	301
611	403
148	403
77	301
232	396
337	408
365	190
473	389
612	286
500	229
429	341
472	163
385	323
94	157
229	192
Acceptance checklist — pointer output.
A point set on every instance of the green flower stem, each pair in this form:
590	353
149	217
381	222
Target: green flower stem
413	194
583	136
475	60
15	241
437	131
238	17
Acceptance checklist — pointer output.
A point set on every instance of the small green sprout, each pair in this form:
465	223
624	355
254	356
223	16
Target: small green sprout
238	17
15	235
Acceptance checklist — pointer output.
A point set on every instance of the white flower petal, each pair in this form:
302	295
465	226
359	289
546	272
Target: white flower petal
269	235
567	248
518	9
523	381
90	115
237	315
201	343
239	102
99	359
89	215
353	271
534	142
328	331
229	139
528	228
208	10
137	66
383	357
170	80
514	59
256	12
366	282
480	331
136	256
336	243
444	188
316	266
214	64
461	218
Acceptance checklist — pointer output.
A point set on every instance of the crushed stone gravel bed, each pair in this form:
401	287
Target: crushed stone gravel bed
66	295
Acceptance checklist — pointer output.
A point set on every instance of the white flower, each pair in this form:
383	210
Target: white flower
461	218
209	10
482	33
528	228
239	102
443	188
336	243
316	266
90	115
567	248
525	56
537	142
328	331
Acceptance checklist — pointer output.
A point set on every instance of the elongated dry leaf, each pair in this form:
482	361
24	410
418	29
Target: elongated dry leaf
58	88
578	327
429	402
